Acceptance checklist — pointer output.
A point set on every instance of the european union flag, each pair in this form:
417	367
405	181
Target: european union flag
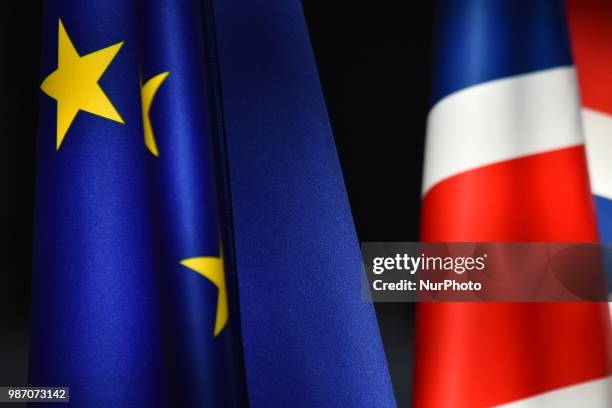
130	303
132	306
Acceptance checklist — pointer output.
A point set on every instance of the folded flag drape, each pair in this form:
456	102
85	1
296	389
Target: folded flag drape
505	161
194	242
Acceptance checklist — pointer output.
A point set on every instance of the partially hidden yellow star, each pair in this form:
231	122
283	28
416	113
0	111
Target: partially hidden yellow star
74	84
212	269
147	92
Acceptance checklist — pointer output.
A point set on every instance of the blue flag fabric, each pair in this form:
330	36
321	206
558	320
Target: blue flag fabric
179	139
131	306
308	339
95	305
129	300
483	49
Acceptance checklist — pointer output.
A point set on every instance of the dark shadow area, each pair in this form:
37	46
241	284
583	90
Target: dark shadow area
20	50
374	64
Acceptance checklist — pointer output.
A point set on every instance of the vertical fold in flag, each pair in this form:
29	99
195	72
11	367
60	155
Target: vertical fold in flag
94	307
307	337
178	144
505	161
590	24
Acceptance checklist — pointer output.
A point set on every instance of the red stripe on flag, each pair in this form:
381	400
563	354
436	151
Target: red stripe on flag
479	355
543	197
590	23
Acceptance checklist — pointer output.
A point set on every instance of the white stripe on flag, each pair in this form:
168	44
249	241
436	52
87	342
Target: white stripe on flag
592	394
501	120
598	139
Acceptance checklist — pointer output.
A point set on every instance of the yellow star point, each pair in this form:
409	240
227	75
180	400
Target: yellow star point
212	269
148	91
74	84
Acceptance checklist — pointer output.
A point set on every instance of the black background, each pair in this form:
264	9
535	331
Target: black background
374	63
20	25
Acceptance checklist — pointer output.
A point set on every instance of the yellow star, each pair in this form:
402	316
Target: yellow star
148	91
74	84
212	269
